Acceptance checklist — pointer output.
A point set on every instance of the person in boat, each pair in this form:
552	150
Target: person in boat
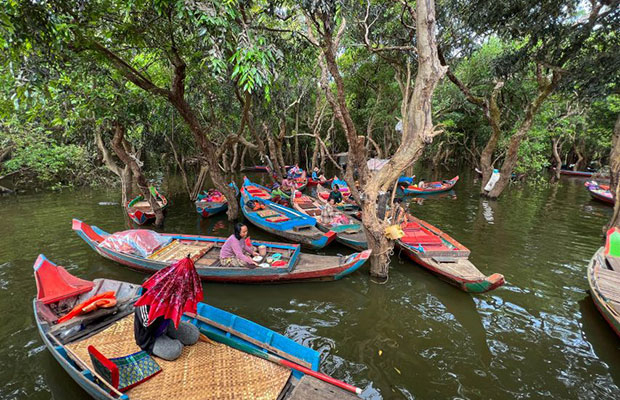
168	291
236	251
279	196
317	175
328	212
421	184
398	213
335	194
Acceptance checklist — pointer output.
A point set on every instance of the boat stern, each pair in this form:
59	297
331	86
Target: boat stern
353	263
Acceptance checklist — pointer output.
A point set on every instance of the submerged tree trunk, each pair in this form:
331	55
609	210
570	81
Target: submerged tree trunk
555	147
120	149
614	169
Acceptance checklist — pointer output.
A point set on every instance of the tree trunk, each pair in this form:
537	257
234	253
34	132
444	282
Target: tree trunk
200	181
296	152
417	129
579	153
123	173
555	146
614	169
546	85
121	152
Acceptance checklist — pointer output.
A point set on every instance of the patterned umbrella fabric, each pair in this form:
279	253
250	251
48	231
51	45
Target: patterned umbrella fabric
172	291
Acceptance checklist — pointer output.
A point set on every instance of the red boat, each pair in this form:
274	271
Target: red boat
433	249
600	192
432	187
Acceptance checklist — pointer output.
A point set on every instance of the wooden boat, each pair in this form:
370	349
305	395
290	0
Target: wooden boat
314	182
141	212
205	251
208	204
351	234
600	192
242	358
347	205
439	253
432	187
583	174
604	279
281	220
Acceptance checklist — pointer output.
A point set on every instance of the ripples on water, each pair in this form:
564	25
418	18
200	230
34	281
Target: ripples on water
539	336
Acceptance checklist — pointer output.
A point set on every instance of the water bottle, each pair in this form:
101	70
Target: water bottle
491	183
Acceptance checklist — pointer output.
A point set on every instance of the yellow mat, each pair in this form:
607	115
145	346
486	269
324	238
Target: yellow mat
204	370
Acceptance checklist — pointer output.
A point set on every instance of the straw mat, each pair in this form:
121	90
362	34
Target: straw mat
204	370
177	250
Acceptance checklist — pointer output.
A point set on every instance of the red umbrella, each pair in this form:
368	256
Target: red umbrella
172	291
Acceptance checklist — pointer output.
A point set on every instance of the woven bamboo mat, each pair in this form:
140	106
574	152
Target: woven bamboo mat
204	370
177	250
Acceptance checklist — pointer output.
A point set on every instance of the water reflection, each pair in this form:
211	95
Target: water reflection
413	337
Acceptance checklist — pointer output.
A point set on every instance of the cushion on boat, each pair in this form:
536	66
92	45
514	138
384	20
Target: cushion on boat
124	372
421	239
267	213
280	218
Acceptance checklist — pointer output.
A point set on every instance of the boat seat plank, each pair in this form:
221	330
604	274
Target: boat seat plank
177	249
309	387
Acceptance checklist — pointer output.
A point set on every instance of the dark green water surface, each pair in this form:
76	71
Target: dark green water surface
539	336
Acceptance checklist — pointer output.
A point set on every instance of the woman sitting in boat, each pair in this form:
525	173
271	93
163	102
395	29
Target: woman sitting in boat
158	329
327	212
236	252
335	194
317	175
279	196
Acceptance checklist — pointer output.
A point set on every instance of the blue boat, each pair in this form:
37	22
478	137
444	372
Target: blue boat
207	206
278	359
281	220
205	250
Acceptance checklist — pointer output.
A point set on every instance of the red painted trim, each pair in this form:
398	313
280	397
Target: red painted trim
107	363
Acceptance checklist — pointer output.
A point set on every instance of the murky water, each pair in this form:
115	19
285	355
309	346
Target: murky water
539	336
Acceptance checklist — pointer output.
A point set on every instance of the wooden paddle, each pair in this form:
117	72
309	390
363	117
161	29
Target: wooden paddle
269	357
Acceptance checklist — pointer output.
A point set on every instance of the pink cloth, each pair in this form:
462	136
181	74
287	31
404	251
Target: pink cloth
234	247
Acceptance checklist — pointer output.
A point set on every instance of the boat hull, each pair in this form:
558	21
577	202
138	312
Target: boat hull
210	209
608	313
470	286
449	186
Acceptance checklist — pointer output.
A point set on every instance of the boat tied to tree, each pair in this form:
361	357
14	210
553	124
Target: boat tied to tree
212	202
434	250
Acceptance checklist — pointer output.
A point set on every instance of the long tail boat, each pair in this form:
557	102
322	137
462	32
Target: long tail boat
281	220
212	202
237	359
570	172
439	253
600	192
141	212
350	234
604	279
432	187
205	251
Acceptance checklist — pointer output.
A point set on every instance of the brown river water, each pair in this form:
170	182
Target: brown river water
537	337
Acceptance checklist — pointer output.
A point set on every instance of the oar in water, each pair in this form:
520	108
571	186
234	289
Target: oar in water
269	357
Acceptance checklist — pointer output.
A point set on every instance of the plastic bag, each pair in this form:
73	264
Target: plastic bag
142	242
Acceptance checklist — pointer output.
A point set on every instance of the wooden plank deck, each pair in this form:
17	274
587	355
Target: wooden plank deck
310	388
